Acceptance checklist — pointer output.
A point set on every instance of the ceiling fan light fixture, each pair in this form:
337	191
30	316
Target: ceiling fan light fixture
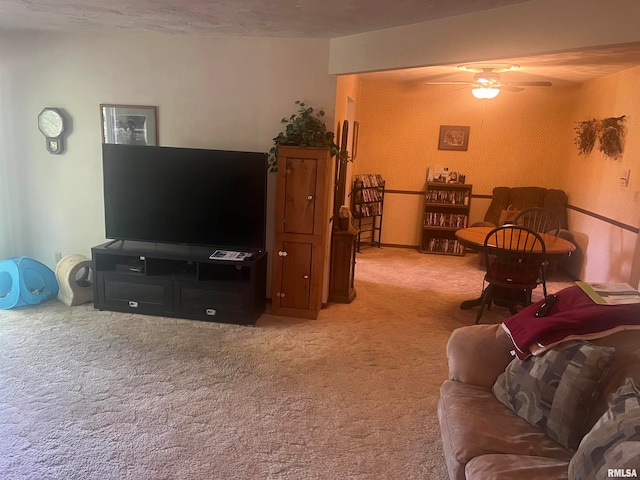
488	67
485	92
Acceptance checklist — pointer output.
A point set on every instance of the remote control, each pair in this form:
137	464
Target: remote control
543	310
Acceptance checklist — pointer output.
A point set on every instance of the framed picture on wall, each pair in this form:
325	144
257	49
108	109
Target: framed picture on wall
453	137
129	124
354	140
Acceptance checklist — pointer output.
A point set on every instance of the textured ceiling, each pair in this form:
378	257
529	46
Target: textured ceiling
262	18
567	68
300	19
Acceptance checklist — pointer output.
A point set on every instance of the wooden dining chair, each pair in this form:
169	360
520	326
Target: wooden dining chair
542	221
513	257
539	220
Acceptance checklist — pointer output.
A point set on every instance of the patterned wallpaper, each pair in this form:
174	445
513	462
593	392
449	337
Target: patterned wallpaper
595	179
594	182
516	139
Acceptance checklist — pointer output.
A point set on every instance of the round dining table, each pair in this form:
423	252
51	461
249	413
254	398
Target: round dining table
473	238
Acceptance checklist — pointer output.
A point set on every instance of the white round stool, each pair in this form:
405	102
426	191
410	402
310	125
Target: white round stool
75	279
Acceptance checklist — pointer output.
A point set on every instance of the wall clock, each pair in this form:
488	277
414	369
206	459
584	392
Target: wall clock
51	123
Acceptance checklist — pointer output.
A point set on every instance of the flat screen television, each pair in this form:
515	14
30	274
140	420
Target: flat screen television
185	196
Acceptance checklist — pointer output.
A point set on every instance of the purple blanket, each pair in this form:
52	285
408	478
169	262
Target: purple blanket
573	316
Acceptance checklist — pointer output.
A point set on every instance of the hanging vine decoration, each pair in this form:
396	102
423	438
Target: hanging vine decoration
586	133
609	132
612	131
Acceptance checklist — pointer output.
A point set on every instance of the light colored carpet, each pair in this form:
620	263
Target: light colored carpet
86	394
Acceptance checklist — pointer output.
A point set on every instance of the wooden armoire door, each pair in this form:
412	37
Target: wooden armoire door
299	195
302	219
296	275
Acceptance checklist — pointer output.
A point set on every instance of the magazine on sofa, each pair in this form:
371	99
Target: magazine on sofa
610	293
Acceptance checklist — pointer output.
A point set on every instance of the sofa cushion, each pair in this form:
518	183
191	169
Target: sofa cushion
614	441
626	365
508	467
556	390
474	423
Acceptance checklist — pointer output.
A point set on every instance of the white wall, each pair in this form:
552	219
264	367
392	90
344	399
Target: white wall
226	93
11	142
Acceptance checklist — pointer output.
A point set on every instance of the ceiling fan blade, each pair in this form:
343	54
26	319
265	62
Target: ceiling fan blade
510	88
529	84
453	82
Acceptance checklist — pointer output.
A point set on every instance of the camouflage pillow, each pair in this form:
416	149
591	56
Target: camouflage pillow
555	391
613	442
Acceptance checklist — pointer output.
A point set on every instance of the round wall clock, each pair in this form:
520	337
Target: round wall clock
51	123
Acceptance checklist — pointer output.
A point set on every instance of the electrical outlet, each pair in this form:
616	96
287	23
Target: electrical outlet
58	256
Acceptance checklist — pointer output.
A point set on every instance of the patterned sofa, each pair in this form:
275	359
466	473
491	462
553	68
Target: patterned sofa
571	412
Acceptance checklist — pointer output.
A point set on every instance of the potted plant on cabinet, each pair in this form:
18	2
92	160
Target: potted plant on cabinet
305	128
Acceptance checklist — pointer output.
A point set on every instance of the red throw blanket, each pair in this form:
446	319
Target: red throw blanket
573	316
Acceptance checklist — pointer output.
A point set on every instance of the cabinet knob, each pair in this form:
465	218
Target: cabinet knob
309	197
305	277
210	311
133	304
282	253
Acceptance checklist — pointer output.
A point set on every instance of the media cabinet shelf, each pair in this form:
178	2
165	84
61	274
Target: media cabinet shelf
367	205
178	281
446	210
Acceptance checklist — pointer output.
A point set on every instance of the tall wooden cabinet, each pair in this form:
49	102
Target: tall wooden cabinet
302	232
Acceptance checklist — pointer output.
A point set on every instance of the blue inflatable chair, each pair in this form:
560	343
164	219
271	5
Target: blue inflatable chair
25	282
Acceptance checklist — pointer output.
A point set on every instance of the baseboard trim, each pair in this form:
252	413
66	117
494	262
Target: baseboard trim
398	245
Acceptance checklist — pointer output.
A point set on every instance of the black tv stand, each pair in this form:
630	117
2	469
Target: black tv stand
178	281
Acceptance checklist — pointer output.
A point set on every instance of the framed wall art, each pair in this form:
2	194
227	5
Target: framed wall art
354	140
129	124
453	137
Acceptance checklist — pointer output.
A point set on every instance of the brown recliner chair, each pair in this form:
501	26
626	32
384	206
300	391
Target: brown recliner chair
522	198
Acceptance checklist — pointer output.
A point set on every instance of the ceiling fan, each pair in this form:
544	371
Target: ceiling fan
487	81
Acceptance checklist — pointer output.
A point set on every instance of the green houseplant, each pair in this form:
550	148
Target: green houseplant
305	128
